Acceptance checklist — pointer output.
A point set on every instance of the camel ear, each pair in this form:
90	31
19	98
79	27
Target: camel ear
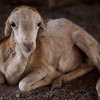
7	28
42	25
42	28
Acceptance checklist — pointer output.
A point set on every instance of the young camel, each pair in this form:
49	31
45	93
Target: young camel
44	52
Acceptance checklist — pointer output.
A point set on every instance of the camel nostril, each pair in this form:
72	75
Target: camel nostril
27	44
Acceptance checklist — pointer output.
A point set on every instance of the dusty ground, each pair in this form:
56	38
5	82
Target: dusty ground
82	88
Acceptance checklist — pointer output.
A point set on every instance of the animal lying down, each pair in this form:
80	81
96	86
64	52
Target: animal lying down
36	53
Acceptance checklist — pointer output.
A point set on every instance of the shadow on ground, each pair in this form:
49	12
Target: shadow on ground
82	88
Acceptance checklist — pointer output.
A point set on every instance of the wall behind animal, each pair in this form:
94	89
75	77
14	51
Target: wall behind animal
49	3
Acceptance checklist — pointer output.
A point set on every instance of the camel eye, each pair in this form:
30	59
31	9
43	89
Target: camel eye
38	24
13	24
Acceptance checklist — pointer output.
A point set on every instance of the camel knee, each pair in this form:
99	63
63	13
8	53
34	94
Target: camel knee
24	86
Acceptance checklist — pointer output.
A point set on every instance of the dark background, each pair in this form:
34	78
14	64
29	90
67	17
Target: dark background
85	13
50	3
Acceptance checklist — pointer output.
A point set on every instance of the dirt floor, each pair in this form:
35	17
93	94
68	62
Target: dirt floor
83	88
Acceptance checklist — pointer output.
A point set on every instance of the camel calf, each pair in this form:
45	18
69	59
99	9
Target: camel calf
38	52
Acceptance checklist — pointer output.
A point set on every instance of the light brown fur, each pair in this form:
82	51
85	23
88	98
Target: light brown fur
57	56
8	61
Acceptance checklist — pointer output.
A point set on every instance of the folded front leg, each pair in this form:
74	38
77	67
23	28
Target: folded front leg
26	83
38	78
43	82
